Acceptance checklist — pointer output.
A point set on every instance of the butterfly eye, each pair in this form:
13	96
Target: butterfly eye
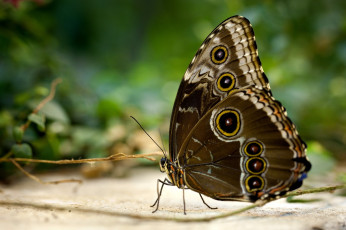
226	82
163	164
219	54
254	183
228	122
253	148
255	165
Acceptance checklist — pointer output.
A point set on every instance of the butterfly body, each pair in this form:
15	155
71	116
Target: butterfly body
229	138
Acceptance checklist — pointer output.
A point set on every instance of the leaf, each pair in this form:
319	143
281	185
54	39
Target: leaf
18	134
39	119
52	110
22	150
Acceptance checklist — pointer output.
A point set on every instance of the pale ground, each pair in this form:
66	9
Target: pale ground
95	203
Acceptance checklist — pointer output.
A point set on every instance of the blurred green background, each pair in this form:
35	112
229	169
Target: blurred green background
122	58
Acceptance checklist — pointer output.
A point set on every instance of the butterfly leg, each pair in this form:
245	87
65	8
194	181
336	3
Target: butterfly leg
184	200
159	192
206	203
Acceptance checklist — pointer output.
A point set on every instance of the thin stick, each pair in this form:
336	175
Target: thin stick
44	101
50	95
115	213
114	157
7	155
227	214
39	180
315	190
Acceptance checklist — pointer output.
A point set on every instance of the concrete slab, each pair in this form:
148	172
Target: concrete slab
104	203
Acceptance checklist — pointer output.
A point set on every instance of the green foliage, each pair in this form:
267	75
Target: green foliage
321	159
38	119
18	133
122	58
22	150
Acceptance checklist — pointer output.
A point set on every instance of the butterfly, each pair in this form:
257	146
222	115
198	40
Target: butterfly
229	139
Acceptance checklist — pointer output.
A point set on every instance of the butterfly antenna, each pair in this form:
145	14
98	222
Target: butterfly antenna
149	135
163	146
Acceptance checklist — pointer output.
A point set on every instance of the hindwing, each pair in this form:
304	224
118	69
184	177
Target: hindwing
244	148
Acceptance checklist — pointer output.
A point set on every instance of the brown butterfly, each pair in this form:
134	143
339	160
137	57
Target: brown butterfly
229	138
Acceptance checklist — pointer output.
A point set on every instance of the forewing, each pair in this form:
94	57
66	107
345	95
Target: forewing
200	88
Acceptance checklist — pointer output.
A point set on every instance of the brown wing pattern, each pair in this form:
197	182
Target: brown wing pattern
257	154
198	91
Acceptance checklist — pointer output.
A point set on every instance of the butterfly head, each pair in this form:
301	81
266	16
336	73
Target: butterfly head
167	167
163	164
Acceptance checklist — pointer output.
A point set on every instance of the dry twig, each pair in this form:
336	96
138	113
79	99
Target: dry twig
114	157
44	101
39	180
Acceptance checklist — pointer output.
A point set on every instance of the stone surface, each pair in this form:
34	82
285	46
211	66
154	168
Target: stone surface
100	204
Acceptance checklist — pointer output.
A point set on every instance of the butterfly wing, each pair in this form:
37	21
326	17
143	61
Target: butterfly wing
226	60
244	148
